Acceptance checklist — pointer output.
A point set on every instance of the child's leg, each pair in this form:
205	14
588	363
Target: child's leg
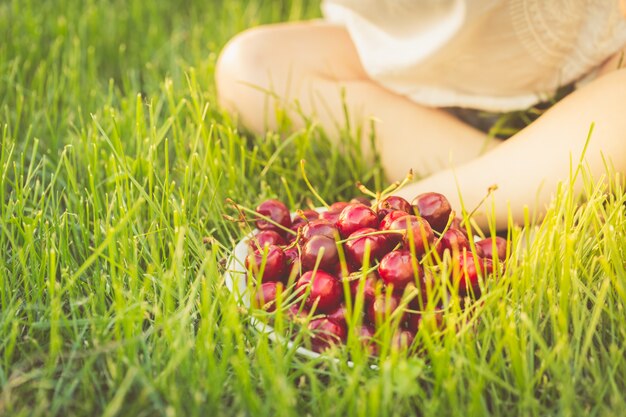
311	63
528	166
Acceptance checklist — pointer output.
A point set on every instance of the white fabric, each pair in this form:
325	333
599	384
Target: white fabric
494	55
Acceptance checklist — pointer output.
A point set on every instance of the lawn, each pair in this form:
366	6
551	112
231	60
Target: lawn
115	167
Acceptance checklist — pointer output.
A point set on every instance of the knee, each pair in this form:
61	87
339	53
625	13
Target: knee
241	64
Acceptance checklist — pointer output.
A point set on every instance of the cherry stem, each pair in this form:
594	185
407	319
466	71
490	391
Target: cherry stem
490	190
358	274
396	185
433	247
241	208
300	213
308	183
378	232
296	241
362	188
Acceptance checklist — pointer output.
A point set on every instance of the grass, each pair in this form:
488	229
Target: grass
115	164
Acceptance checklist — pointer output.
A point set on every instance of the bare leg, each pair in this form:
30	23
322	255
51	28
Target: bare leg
528	166
310	63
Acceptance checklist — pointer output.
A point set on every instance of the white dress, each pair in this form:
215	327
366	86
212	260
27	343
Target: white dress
493	55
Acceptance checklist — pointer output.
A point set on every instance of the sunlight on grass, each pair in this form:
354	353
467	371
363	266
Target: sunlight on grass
115	166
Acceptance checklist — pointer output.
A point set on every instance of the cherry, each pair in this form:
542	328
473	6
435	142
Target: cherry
322	248
413	321
453	240
390	218
330	216
417	233
382	308
326	333
417	319
268	264
266	237
470	267
319	227
308	215
366	337
324	289
337	207
356	216
433	207
264	296
296	313
385	223
361	199
277	211
399	268
339	271
487	245
369	288
292	261
292	255
333	212
392	203
302	218
339	314
358	242
402	339
457	225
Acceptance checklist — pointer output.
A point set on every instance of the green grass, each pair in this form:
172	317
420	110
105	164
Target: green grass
115	163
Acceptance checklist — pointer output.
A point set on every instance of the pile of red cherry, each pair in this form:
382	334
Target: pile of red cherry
383	251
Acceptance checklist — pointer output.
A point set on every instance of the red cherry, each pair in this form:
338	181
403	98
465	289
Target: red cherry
433	207
392	203
487	266
356	216
366	337
382	308
339	272
338	206
268	264
324	289
320	249
339	314
393	238
266	237
326	333
457	225
308	214
277	211
292	261
361	199
390	218
399	268
417	233
330	216
319	227
369	288
402	339
413	321
417	319
487	245
292	255
303	217
296	313
264	297
470	268
357	243
454	241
